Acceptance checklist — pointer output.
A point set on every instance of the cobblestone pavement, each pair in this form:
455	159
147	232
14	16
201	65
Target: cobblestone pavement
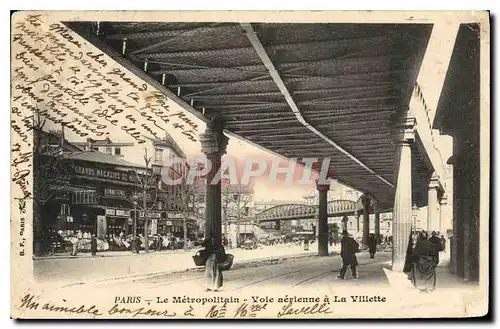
292	275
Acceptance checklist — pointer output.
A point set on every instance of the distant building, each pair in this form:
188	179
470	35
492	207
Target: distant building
161	152
81	189
104	146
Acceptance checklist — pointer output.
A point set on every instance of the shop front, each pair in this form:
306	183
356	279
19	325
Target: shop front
117	221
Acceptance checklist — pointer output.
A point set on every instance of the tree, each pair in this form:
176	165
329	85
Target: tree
236	200
148	184
51	173
186	198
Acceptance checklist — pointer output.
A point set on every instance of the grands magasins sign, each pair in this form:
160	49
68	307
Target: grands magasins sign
106	174
109	174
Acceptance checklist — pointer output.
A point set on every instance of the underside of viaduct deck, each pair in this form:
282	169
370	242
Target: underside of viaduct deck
344	87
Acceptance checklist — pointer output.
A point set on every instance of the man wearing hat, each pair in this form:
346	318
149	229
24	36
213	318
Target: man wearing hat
436	242
348	249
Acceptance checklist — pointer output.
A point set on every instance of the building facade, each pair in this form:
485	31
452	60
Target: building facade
79	188
458	115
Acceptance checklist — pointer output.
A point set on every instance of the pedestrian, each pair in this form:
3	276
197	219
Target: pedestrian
372	245
306	243
216	255
348	249
160	243
75	246
137	244
436	242
423	271
53	241
93	245
443	243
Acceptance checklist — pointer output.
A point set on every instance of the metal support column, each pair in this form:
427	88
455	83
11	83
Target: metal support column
323	219
213	143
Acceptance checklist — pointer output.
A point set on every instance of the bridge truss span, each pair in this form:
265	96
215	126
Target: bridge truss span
301	211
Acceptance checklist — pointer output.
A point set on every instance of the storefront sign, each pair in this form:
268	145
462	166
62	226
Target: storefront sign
106	174
114	192
116	175
175	215
121	212
151	214
169	223
117	212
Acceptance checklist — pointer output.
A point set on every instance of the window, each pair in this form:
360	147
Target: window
118	151
65	209
158	154
108	150
84	197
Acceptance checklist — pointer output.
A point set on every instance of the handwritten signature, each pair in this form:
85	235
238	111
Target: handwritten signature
290	310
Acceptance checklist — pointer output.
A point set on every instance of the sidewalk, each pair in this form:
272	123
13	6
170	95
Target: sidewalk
109	254
116	266
312	247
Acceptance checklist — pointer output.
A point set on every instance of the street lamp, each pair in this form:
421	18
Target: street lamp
415	211
134	225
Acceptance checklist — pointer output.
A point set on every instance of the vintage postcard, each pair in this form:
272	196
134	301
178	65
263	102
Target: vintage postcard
240	165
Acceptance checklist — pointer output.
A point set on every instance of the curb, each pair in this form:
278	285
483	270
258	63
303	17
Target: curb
87	255
237	265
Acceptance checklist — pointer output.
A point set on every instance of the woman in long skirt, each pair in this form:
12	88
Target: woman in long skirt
213	274
423	271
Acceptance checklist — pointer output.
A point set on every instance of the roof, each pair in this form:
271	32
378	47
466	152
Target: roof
103	142
99	157
55	136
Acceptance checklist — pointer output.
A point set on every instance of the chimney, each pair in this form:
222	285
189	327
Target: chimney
88	147
62	137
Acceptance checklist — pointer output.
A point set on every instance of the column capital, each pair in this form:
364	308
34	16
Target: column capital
322	186
434	182
213	140
366	200
403	132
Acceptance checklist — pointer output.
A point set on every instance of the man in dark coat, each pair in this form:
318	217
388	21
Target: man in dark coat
443	243
93	245
372	245
160	243
137	244
348	249
436	242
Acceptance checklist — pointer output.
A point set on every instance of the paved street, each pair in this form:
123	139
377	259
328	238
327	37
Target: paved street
302	272
289	275
309	272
